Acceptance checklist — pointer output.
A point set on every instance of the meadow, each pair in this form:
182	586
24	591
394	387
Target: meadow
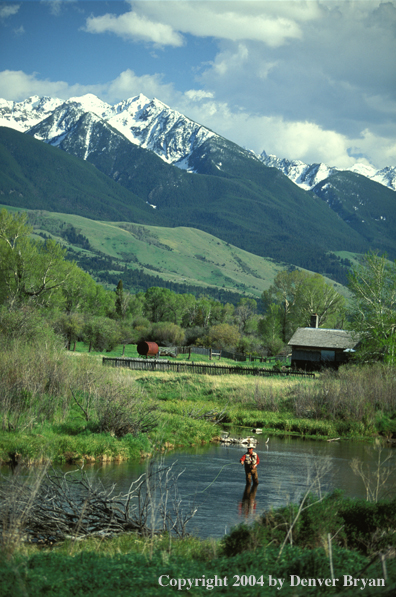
181	255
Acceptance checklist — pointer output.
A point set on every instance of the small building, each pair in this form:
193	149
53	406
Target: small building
314	347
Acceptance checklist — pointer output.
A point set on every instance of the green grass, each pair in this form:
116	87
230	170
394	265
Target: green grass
126	565
182	400
43	419
243	561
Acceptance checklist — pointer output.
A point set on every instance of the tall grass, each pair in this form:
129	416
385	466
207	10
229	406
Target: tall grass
33	385
354	394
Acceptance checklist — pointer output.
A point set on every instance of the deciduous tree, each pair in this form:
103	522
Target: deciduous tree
31	271
300	295
373	315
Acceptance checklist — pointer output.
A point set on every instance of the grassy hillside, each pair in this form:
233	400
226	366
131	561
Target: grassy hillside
184	256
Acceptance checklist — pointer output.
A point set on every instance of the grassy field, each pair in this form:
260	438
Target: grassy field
131	352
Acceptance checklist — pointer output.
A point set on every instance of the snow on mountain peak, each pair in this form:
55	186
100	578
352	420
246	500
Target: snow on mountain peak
307	176
91	103
153	125
21	116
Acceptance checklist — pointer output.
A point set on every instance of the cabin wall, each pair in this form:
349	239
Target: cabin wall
313	359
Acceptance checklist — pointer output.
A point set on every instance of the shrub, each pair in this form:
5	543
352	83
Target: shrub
167	334
32	376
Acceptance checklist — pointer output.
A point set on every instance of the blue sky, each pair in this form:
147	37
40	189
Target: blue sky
310	80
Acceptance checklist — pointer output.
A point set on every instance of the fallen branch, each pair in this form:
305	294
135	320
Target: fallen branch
74	505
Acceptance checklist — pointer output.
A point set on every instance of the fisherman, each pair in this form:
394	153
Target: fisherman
250	460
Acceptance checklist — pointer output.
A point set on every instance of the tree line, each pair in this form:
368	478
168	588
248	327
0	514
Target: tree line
36	276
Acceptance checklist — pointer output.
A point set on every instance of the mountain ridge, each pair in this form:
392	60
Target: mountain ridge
190	176
307	176
134	116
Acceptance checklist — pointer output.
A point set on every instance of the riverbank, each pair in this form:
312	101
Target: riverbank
68	409
334	551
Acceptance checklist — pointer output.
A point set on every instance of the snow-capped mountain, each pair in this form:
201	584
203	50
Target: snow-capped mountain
23	115
233	194
152	125
307	176
149	124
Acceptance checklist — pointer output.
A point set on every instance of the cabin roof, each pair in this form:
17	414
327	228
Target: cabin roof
323	338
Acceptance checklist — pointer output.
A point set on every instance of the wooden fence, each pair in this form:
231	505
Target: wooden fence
194	367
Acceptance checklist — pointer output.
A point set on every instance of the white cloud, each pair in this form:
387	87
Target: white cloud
302	139
164	23
55	6
17	86
196	95
7	10
235	21
128	84
135	27
20	30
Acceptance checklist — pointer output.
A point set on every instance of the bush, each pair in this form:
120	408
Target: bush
167	334
101	333
25	324
119	413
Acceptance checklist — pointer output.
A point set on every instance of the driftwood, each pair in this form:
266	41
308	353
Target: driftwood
243	441
57	506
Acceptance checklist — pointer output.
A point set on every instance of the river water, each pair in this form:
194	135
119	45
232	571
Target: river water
214	480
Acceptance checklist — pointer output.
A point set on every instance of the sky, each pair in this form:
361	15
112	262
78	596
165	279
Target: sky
309	80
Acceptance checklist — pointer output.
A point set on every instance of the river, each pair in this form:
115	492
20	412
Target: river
214	479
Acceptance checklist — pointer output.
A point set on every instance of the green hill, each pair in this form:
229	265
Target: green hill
184	259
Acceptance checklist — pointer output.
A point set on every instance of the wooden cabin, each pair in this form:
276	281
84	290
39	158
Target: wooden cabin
314	347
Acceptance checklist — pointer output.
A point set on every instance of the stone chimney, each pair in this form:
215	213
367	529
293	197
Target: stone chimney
314	321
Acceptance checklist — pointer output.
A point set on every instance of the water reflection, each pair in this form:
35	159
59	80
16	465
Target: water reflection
247	507
214	480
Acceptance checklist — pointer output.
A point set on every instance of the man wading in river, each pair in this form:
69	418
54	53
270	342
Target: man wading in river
250	460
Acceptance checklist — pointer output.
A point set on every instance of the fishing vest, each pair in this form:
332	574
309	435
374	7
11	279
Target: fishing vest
251	460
